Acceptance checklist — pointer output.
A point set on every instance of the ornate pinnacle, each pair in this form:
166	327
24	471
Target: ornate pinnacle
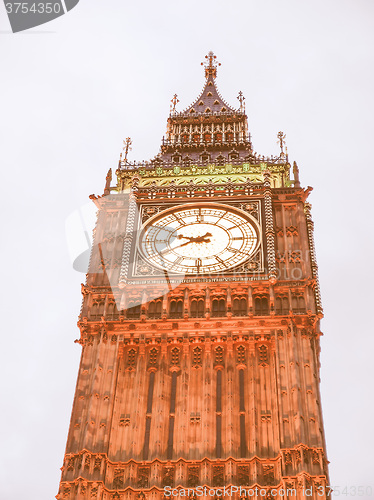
241	99
281	136
210	65
127	147
174	102
108	180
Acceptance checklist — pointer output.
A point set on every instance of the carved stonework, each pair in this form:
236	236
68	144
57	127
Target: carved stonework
118	479
143	477
168	476
193	476
243	475
218	475
263	355
268	474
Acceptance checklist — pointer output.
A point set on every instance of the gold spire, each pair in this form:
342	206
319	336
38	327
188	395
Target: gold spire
210	65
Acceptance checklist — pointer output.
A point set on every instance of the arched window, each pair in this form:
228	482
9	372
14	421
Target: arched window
298	304
112	311
207	137
133	311
205	157
155	309
239	306
261	306
176	308
197	308
229	136
282	305
97	309
218	137
218	308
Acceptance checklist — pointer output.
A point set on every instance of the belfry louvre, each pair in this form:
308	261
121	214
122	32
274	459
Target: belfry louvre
200	322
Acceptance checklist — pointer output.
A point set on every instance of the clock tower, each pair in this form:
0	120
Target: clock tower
200	324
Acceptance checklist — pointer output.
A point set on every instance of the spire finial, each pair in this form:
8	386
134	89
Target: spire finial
210	65
127	147
281	136
241	99
174	102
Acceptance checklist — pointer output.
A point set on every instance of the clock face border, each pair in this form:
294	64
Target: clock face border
255	225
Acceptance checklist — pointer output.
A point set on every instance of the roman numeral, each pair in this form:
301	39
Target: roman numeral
180	221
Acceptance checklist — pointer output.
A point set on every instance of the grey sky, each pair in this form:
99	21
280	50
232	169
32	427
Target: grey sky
76	87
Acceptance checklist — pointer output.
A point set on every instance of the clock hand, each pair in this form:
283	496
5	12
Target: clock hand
170	249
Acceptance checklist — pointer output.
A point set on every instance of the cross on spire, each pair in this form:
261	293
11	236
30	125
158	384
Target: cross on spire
210	65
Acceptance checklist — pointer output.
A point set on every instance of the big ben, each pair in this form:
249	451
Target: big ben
200	323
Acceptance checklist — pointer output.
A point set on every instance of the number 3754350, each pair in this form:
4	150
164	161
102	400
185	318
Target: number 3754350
34	8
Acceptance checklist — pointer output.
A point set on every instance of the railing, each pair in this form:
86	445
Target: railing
253	159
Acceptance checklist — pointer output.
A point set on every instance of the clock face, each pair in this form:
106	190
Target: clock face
199	239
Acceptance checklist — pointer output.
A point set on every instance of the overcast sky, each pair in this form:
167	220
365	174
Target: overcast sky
73	89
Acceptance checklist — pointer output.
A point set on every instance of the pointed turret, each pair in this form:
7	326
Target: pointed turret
209	130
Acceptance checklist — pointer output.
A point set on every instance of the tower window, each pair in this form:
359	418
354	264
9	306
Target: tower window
209	94
218	308
261	306
208	110
176	308
97	309
197	308
192	111
133	312
155	309
223	109
112	311
282	305
201	103
298	304
240	307
216	102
